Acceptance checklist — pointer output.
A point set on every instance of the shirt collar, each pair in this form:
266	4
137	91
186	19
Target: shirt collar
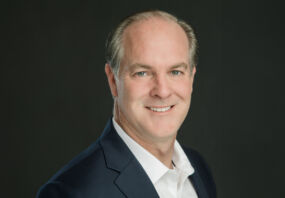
154	168
181	162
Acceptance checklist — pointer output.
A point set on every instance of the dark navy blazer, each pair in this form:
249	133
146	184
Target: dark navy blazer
108	169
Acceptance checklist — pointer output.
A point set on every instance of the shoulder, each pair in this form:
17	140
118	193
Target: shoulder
83	175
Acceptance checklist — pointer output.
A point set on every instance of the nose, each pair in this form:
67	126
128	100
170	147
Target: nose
161	87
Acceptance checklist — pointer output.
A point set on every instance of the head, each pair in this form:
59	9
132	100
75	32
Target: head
150	69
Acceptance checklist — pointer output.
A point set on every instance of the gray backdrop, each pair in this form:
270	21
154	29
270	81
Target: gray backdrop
55	98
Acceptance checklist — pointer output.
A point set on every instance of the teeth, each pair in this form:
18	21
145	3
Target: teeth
160	109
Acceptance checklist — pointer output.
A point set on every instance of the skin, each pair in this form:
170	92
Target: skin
154	73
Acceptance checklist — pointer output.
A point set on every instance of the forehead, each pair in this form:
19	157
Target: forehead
153	38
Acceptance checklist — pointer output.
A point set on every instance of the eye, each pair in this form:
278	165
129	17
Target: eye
141	73
176	72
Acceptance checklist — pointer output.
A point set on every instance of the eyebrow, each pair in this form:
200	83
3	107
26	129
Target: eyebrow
138	65
183	65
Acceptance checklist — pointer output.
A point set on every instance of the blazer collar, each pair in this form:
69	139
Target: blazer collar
196	178
198	185
132	179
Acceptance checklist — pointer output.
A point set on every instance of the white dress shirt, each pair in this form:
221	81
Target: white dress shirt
169	183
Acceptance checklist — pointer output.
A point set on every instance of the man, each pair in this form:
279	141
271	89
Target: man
150	69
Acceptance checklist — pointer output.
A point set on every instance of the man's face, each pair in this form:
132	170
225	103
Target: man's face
154	85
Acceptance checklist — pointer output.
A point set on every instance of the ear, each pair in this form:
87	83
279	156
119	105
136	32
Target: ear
111	80
192	74
193	71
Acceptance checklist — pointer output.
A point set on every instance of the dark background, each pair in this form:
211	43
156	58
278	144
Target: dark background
55	98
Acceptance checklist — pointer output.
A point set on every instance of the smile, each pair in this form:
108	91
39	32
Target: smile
160	109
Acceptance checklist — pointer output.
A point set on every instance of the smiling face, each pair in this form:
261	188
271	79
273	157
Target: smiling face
153	89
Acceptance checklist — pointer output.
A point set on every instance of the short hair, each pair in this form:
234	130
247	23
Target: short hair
114	45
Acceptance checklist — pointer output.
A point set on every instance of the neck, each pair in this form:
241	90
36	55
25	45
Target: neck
162	151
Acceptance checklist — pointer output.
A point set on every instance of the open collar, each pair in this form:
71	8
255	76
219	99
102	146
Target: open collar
154	168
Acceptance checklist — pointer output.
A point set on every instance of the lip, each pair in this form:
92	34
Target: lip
160	109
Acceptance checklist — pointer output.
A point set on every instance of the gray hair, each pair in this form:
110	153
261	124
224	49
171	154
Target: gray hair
114	46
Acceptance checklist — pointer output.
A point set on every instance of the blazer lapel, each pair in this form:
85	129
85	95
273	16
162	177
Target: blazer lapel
196	178
132	180
198	185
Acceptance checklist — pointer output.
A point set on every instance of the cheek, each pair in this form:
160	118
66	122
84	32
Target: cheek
184	89
133	92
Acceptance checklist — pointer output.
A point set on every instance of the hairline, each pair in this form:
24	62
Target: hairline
117	45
